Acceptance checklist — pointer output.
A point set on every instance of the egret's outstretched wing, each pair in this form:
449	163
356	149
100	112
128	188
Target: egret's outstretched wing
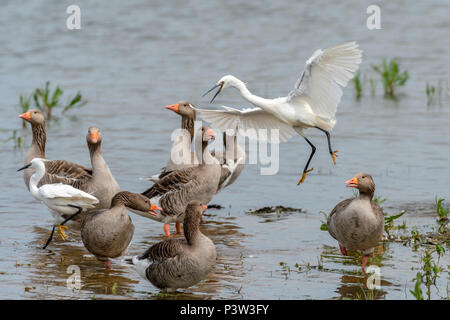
250	118
326	73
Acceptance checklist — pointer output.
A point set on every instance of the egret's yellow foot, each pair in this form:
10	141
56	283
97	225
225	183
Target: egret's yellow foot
304	175
334	155
61	231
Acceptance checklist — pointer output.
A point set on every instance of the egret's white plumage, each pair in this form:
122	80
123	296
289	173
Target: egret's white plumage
58	196
311	104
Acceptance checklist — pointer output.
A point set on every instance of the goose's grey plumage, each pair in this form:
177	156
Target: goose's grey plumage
55	169
107	233
358	223
180	156
175	190
179	263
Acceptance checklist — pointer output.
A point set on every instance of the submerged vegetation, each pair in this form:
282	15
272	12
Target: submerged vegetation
440	209
46	100
391	76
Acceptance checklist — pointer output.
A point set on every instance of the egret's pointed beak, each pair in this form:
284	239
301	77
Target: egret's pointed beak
220	86
352	183
25	167
152	208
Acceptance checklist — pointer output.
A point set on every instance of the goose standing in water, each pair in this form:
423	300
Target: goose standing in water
312	103
175	190
232	165
62	200
181	147
61	168
107	233
358	223
179	263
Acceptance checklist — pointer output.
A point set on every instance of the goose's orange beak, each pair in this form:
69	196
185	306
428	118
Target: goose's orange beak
152	208
204	207
25	116
94	136
352	183
173	107
211	134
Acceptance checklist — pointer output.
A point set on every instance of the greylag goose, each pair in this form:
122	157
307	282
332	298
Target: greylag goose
61	168
358	223
181	155
107	233
179	263
311	104
61	199
181	149
175	190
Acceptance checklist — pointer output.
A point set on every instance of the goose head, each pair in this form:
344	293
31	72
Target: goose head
207	134
136	203
33	116
183	108
363	182
94	136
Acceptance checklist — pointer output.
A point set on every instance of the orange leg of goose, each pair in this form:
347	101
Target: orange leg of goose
364	262
166	229
343	250
179	227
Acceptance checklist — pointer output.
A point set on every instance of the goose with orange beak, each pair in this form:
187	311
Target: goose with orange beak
358	223
107	233
175	190
179	263
181	155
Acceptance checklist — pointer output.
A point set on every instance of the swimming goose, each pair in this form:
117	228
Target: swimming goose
61	199
312	103
179	263
107	233
174	191
358	223
61	168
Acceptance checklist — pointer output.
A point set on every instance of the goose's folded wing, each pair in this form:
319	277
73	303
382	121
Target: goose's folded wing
172	181
163	250
67	169
247	119
325	74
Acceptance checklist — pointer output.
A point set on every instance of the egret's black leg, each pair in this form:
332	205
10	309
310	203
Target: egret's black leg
61	224
305	170
332	153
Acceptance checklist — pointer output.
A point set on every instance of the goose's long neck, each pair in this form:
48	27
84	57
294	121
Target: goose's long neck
190	228
206	156
35	178
37	149
265	104
187	123
99	166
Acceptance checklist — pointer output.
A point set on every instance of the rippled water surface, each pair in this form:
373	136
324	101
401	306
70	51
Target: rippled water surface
131	58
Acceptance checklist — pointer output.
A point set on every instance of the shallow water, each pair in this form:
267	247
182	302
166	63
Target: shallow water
130	59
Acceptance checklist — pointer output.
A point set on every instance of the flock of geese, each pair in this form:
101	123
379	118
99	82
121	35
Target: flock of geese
91	199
